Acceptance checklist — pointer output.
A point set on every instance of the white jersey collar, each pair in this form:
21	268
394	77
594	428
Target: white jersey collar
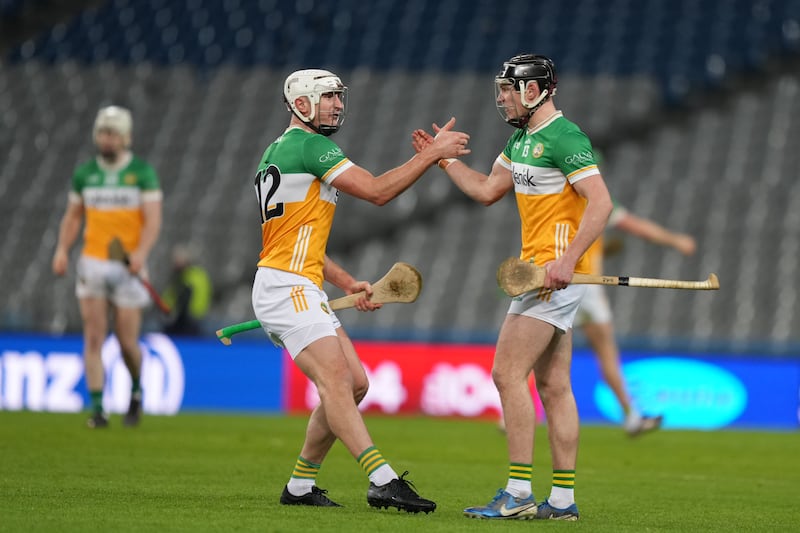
549	120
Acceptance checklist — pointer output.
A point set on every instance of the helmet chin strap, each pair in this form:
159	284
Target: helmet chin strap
298	114
324	129
309	121
530	106
533	106
310	124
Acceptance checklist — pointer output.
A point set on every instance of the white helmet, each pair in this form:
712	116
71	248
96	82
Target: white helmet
313	83
114	118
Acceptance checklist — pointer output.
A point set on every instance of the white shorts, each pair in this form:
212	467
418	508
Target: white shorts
594	308
292	310
554	307
98	278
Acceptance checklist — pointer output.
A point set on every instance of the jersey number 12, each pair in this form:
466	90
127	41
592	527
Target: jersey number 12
267	182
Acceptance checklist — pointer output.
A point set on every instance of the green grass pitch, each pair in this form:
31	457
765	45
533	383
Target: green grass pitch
203	472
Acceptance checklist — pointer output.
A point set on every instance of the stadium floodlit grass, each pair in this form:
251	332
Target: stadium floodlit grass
202	472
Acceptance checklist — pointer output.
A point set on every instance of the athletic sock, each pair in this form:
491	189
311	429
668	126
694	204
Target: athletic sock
304	476
632	420
376	467
519	480
562	495
136	388
96	397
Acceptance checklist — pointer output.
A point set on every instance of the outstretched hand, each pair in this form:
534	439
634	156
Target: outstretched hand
447	127
685	244
446	142
60	263
420	139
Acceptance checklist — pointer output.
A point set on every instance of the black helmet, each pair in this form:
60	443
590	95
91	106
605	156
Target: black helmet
524	68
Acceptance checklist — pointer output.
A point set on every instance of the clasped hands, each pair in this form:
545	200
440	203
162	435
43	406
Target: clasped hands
447	143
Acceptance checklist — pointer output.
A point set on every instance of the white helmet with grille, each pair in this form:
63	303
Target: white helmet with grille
114	118
313	83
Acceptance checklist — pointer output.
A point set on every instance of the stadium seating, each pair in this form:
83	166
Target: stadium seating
679	43
203	79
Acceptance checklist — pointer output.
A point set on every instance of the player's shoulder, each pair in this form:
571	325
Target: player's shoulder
567	136
306	143
297	135
85	173
317	141
87	167
140	164
140	173
564	126
321	150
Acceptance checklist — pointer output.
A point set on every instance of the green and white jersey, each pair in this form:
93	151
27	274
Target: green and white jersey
544	164
112	199
297	201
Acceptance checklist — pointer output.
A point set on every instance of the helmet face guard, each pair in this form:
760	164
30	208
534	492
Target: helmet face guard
516	74
314	84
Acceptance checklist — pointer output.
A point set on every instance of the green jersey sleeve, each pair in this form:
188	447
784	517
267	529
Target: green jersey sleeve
79	177
148	179
573	153
321	156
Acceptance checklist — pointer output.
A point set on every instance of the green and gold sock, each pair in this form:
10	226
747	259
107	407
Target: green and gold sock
564	479
304	476
371	459
376	467
562	495
305	469
520	471
96	397
519	480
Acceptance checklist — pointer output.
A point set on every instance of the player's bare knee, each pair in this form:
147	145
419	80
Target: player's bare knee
335	394
129	349
93	342
360	389
505	378
552	389
335	383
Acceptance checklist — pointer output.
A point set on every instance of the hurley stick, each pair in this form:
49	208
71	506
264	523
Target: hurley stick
401	284
117	253
516	277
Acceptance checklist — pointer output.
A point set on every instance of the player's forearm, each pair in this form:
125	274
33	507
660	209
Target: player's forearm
646	229
336	275
472	183
392	183
68	232
151	228
591	227
657	234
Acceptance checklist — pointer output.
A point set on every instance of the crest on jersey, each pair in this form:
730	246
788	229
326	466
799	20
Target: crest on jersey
538	150
129	179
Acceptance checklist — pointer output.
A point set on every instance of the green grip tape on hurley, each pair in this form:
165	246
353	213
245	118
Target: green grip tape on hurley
225	334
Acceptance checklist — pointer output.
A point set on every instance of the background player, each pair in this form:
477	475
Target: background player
595	317
120	196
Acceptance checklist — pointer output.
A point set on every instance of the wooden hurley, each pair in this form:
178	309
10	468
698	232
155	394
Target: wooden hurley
516	277
401	284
